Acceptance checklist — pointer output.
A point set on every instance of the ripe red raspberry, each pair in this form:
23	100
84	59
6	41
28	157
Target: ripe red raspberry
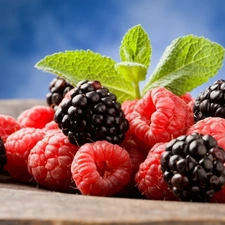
128	106
149	178
137	156
51	126
36	116
8	125
18	146
186	97
101	168
158	117
214	126
50	160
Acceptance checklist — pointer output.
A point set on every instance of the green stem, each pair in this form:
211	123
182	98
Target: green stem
137	90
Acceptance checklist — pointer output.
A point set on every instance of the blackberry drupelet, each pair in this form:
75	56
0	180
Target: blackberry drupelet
58	89
193	167
210	102
3	159
91	114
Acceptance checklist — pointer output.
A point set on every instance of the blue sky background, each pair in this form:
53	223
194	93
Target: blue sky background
31	29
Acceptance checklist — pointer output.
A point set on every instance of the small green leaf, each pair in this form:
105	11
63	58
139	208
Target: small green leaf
187	62
132	71
136	46
75	66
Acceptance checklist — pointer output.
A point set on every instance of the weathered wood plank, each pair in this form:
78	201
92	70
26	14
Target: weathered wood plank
34	207
23	204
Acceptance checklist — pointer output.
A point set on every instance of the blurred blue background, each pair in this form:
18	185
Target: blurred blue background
31	29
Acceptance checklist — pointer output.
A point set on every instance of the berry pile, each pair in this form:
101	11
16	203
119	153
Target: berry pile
160	147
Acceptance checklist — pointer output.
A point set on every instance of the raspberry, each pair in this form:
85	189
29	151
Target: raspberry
193	167
50	160
37	116
58	89
101	168
128	106
137	156
8	125
3	158
149	178
186	97
50	126
91	114
18	146
210	102
158	117
214	126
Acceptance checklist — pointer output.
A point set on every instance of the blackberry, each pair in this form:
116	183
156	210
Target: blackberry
193	167
91	114
210	102
2	154
58	89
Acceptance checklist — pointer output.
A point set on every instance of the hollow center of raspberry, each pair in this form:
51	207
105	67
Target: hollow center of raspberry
103	169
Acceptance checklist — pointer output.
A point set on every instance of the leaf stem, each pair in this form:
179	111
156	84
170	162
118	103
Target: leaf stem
137	90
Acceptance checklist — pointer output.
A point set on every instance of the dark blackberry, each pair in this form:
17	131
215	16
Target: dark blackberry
210	102
91	114
58	89
2	154
193	167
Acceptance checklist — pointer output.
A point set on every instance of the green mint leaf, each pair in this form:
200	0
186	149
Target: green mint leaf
132	71
136	46
187	62
75	66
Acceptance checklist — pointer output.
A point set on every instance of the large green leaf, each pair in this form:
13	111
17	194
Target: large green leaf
187	62
75	66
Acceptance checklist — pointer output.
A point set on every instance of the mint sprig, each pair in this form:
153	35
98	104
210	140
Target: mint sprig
135	55
75	66
136	47
187	62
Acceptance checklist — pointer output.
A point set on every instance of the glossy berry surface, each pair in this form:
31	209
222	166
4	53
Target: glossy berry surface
193	167
91	114
57	91
210	102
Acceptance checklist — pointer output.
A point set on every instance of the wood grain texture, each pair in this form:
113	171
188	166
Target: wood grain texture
44	207
23	204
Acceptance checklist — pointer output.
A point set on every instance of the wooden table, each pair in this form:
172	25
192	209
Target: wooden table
29	205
